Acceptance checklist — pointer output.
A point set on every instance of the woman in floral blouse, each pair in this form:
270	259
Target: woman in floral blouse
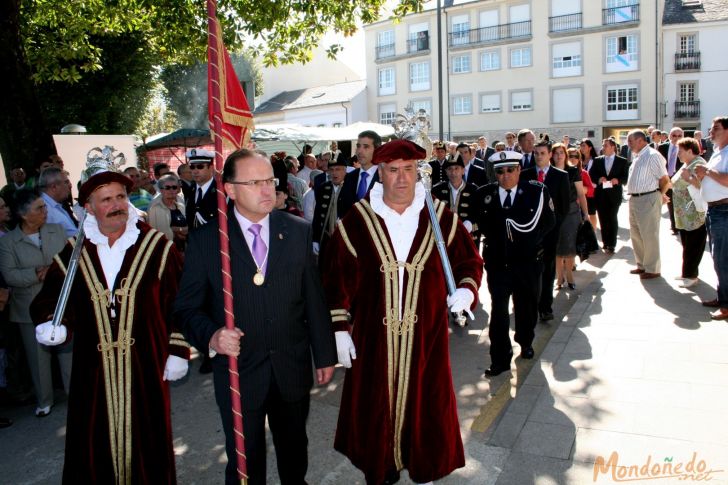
689	210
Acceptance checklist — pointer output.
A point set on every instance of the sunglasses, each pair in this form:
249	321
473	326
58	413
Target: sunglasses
501	171
199	166
170	187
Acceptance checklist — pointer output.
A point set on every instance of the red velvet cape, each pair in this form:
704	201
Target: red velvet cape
430	443
88	456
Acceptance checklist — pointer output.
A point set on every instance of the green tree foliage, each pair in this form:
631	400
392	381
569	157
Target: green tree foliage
67	41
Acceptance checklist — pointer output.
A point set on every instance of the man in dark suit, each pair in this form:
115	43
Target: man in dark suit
668	151
439	149
473	174
513	258
609	173
184	172
281	319
328	205
557	182
360	181
202	205
526	142
483	152
457	194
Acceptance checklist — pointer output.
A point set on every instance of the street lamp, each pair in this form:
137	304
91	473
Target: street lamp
73	129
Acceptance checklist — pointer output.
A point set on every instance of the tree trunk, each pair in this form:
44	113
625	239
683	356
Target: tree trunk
25	138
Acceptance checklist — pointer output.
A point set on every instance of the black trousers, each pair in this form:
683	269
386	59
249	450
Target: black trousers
546	299
693	243
287	421
671	210
607	211
522	283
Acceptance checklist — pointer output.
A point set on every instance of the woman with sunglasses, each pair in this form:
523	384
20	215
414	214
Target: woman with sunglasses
578	211
167	211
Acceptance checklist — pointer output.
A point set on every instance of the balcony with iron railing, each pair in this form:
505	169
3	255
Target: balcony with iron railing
487	35
565	23
687	61
385	50
421	43
687	110
619	15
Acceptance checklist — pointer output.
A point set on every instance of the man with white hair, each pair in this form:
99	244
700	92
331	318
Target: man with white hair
668	151
398	408
119	310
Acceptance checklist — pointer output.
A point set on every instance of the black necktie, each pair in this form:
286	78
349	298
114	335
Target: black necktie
525	161
199	196
70	213
507	203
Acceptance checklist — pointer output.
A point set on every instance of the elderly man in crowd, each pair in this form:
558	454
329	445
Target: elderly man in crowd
55	189
647	186
714	190
668	151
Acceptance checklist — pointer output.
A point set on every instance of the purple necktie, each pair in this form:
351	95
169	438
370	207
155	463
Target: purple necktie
259	247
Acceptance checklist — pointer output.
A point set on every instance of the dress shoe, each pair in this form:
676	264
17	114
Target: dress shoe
637	271
649	276
206	366
572	286
495	370
391	478
527	353
546	316
609	249
711	303
720	314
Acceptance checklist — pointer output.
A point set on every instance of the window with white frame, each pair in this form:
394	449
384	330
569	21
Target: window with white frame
488	25
461	64
622	102
521	57
386	81
460	28
490	103
425	104
567	105
522	100
566	59
490	61
419	76
418	37
622	53
686	43
519	13
565	7
385	44
620	3
686	91
387	113
462	105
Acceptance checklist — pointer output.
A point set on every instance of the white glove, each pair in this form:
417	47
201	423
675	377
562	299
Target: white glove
316	248
468	225
175	368
345	348
44	331
460	301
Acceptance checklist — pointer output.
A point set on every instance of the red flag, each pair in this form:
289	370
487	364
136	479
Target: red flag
237	120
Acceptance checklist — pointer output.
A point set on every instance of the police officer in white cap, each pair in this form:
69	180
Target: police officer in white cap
202	205
513	218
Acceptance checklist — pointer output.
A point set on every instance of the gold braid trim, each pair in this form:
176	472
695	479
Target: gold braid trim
345	237
165	253
181	343
469	281
453	229
58	261
339	311
400	332
116	356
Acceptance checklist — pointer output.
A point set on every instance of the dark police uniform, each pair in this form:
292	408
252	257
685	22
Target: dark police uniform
438	170
206	208
464	204
513	262
328	206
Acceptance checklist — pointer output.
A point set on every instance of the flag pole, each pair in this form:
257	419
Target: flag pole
227	282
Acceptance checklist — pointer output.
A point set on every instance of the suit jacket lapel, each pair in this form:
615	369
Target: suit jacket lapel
278	237
239	249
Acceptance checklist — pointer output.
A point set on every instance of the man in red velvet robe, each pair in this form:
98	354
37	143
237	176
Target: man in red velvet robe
384	281
119	314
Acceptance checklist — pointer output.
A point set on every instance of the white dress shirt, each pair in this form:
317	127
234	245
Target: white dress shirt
371	172
710	189
503	194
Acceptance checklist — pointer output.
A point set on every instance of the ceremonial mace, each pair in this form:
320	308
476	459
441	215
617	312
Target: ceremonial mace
97	160
413	127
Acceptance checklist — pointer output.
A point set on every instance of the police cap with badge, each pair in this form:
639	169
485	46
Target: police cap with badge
199	155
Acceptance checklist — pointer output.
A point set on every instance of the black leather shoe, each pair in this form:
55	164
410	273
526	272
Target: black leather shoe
495	370
206	366
527	353
391	478
546	316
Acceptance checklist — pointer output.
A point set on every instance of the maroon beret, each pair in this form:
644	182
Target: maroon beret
398	150
99	180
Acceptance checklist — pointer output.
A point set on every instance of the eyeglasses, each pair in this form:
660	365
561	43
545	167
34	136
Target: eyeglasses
272	182
199	166
501	171
170	187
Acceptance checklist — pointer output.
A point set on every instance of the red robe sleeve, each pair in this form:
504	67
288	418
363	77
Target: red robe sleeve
170	272
340	277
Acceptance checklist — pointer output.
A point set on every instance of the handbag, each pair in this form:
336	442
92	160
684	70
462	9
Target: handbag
586	240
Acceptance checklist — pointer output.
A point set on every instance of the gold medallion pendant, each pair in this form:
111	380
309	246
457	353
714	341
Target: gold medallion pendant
258	279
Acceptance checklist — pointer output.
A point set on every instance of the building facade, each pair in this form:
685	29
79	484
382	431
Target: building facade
695	64
583	68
